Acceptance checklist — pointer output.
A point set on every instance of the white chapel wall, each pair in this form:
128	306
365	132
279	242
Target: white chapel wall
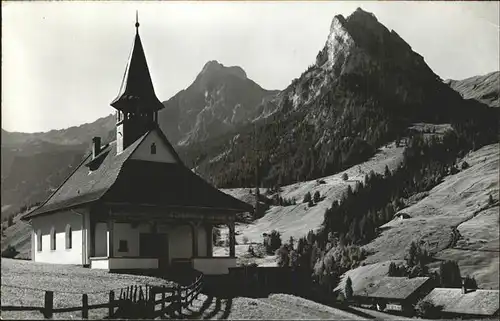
143	151
125	231
60	255
101	241
180	242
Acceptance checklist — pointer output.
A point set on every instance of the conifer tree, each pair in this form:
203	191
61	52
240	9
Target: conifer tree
307	198
317	197
348	291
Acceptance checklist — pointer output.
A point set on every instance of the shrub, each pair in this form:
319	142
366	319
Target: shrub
272	242
396	270
470	282
307	198
490	200
427	309
345	177
341	298
317	197
449	272
10	252
216	236
283	256
310	203
465	165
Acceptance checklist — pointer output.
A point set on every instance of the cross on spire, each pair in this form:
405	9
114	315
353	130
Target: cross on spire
137	24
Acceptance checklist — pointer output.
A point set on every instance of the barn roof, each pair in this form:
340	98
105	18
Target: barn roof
475	302
392	287
119	179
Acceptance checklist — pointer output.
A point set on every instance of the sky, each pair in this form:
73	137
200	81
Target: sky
63	62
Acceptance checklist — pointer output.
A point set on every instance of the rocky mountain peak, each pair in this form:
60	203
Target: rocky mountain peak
214	69
217	101
361	31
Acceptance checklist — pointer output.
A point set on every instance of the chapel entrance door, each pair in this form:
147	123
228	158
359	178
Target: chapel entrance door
154	245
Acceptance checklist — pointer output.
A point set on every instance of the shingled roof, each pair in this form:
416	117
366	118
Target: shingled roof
119	179
475	302
399	288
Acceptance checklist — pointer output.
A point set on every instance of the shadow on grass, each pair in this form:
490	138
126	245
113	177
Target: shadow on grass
349	309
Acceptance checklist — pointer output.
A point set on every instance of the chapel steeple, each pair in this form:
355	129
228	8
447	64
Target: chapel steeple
136	104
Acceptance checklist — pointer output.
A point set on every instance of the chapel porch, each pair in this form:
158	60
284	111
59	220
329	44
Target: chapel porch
148	242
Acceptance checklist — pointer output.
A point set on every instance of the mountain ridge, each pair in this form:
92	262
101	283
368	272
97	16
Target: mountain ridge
482	88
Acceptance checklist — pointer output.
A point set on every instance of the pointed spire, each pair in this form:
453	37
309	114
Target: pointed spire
137	92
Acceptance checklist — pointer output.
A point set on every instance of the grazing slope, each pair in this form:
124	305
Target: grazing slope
460	201
297	220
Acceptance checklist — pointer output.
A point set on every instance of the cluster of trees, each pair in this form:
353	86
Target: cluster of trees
272	241
283	201
311	200
417	258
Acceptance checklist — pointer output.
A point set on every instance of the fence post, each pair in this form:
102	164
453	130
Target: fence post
179	301
85	306
111	306
49	304
151	300
163	298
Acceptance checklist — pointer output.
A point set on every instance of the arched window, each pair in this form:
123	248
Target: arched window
39	240
53	238
153	148
69	237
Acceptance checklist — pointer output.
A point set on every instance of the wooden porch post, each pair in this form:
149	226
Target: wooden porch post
209	232
194	229
92	238
110	238
232	240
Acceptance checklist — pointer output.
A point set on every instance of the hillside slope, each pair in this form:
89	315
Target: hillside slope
297	220
484	88
460	201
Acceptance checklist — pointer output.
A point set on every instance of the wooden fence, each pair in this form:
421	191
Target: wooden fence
133	302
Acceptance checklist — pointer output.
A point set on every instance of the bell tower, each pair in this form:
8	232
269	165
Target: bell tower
136	104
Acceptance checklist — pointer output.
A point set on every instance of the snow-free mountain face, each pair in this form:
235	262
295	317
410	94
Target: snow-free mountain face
217	101
364	88
485	89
